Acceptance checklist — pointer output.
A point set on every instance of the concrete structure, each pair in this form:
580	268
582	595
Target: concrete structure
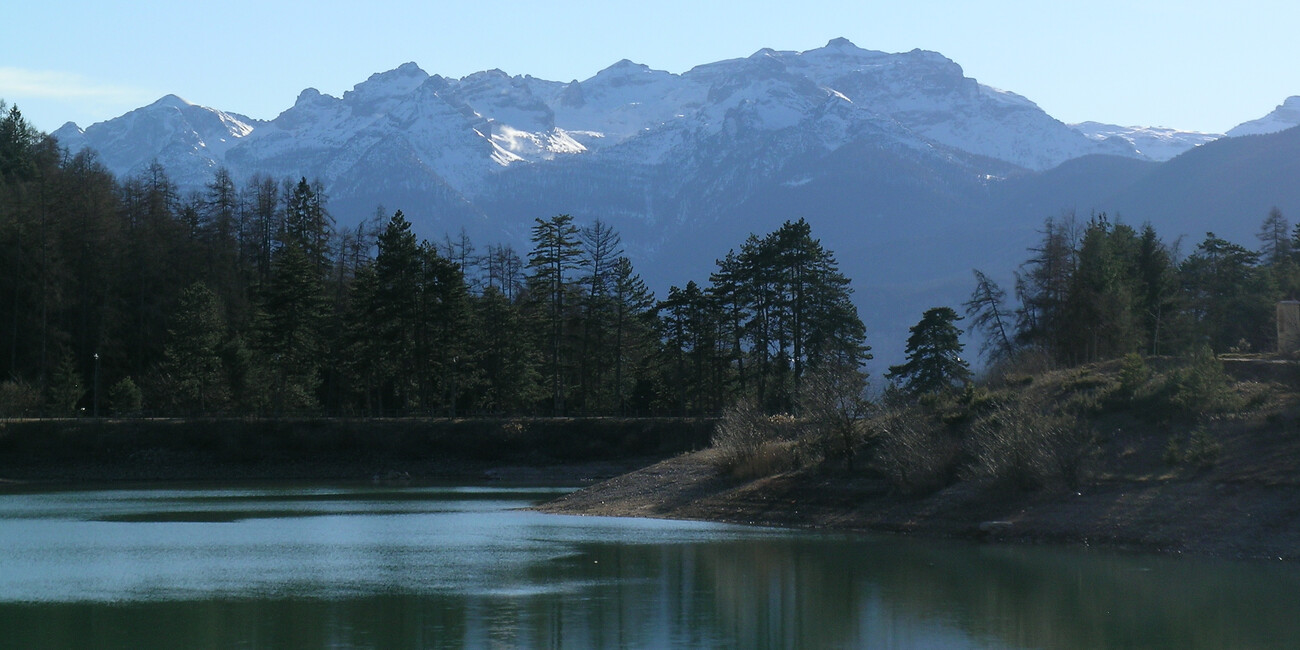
1288	327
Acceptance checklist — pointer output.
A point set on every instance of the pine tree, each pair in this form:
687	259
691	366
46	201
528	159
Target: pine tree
192	358
1158	289
1099	318
290	319
601	248
1228	297
1043	286
507	355
222	240
989	314
633	327
65	387
393	312
555	256
690	341
1274	238
934	363
307	224
443	321
798	308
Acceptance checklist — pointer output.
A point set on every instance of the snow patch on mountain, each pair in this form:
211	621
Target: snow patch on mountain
1152	142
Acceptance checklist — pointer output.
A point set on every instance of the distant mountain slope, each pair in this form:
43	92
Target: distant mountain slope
1226	186
191	141
1283	117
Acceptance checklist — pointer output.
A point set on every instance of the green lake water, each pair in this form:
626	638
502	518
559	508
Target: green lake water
325	566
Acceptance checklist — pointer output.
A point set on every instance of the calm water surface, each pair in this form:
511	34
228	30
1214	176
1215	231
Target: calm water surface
366	567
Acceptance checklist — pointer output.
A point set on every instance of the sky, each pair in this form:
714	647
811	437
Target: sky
1187	64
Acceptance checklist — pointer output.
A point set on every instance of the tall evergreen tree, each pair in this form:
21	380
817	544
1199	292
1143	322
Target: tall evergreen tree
555	256
1158	290
192	358
444	319
798	308
290	320
633	328
1274	238
507	355
307	224
1099	316
1043	286
601	248
395	311
1228	297
934	362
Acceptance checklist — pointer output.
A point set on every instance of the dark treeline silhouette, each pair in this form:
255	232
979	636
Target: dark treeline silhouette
123	296
1102	289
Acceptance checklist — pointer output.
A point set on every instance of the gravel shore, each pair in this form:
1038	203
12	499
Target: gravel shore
1248	520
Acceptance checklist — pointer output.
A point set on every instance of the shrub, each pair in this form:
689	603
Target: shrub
1029	449
18	398
65	388
1200	385
1201	449
915	454
771	457
124	397
741	434
1133	375
832	402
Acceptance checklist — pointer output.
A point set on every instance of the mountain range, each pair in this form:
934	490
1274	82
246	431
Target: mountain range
912	172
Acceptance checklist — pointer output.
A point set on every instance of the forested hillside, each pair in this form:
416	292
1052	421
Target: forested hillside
123	296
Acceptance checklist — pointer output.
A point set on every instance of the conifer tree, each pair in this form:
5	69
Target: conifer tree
393	313
507	354
443	321
192	359
632	327
934	362
1043	286
291	316
555	256
601	248
987	310
1228	297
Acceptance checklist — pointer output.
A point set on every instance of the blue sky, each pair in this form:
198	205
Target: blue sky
1193	65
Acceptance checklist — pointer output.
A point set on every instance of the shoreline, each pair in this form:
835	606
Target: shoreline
569	451
1192	517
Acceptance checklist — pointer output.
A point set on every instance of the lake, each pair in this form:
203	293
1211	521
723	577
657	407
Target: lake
350	566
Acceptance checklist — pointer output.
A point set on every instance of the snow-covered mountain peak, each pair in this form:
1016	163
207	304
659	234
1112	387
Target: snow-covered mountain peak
399	81
311	97
1282	118
627	72
170	101
503	100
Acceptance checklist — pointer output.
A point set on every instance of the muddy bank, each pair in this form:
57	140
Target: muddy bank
1196	516
519	450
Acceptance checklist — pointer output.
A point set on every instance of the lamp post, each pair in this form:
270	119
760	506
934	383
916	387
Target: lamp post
95	404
